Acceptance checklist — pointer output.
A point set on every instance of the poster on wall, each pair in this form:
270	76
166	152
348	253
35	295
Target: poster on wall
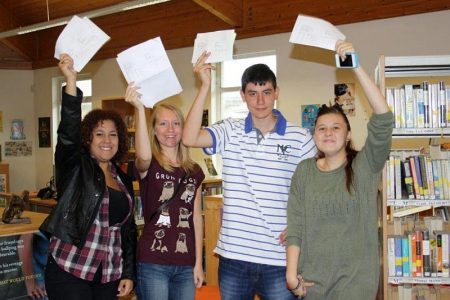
23	258
18	148
344	95
17	130
309	114
44	132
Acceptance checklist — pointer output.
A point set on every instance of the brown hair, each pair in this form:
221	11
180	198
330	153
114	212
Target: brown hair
92	120
186	163
349	149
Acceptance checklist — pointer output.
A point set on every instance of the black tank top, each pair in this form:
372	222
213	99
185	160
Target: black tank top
118	206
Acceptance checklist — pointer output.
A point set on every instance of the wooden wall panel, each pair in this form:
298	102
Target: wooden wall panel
178	21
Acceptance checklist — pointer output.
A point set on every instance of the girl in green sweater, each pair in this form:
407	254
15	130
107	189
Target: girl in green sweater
332	235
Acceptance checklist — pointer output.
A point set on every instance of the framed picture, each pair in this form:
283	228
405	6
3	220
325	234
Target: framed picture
344	95
44	132
309	114
17	130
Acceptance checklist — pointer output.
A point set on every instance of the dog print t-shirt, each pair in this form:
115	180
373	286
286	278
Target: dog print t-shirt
169	238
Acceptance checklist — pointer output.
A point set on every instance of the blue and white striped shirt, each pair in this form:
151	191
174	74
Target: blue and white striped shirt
256	178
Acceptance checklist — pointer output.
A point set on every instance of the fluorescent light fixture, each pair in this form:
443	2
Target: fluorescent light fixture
128	5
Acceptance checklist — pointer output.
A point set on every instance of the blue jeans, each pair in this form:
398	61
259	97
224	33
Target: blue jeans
161	282
240	280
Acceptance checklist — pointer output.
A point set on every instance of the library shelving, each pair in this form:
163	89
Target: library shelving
414	87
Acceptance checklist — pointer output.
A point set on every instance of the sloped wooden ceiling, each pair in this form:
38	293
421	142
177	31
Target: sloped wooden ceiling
178	21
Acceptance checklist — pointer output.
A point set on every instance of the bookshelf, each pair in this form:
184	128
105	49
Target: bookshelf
4	177
403	213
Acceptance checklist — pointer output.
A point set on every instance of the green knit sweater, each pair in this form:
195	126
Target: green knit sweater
337	232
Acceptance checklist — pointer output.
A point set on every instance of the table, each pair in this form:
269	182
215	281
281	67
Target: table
14	229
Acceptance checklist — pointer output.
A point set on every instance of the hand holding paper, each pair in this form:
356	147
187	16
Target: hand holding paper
81	39
315	32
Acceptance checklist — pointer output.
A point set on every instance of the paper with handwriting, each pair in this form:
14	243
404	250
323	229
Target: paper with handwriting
219	43
81	39
315	32
148	66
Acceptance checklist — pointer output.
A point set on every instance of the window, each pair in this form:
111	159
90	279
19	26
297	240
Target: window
228	84
85	85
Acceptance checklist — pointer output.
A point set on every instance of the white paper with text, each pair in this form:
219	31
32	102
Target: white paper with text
315	32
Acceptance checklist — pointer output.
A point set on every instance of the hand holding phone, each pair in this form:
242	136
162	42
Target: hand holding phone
351	61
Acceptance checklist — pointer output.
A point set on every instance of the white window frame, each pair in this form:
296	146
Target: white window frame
57	83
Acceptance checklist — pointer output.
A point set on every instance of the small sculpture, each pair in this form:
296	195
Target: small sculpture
14	208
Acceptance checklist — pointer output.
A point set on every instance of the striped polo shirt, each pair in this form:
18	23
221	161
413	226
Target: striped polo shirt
256	176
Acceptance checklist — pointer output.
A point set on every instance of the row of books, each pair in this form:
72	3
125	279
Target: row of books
418	177
425	105
129	121
131	143
419	253
418	292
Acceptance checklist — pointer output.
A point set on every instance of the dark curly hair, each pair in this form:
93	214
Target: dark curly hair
90	122
349	149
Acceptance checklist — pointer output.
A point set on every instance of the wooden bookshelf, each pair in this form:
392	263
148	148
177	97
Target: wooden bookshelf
396	73
213	221
4	174
126	110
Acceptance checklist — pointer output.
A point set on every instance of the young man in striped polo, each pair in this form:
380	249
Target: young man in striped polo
260	153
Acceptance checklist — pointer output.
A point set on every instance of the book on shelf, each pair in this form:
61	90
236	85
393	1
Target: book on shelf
424	177
426	253
405	256
398	255
407	182
419	253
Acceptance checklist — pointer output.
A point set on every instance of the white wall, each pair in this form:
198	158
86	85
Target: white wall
305	75
17	102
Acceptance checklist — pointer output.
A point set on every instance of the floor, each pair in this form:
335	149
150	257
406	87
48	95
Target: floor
204	293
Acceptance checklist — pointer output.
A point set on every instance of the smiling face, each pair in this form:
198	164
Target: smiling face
168	128
105	141
260	99
331	134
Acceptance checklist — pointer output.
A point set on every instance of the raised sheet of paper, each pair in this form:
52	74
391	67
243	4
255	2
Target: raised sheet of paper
315	32
148	66
81	39
219	43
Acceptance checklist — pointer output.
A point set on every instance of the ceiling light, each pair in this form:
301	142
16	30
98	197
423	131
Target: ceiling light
128	5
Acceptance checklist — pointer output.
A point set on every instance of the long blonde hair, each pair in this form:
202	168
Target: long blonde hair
186	163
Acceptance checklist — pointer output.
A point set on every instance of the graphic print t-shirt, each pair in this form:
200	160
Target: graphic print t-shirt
169	238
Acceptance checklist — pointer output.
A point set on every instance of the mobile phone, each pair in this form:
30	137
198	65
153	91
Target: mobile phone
351	61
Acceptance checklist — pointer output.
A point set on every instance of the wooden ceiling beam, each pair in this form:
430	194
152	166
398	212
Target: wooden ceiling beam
24	45
229	11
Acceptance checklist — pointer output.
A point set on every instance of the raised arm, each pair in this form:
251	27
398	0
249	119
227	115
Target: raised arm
193	134
142	140
372	92
66	66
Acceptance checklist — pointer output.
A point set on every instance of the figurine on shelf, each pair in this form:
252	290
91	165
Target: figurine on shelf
14	208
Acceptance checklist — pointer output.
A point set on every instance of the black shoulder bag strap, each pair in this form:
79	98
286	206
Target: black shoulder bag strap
168	201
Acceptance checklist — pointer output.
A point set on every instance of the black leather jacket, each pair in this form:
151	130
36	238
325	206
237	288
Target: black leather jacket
80	184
